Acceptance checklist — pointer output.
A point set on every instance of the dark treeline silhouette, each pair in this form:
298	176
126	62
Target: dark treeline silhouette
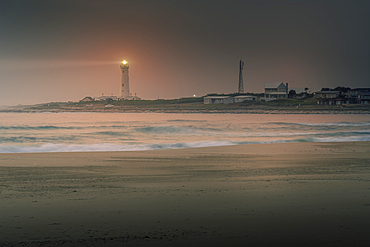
339	88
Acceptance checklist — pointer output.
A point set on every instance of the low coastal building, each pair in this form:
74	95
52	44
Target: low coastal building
107	97
329	98
130	97
242	98
218	100
358	96
363	98
327	94
112	97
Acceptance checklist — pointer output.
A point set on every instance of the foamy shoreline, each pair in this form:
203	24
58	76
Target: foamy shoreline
111	147
301	194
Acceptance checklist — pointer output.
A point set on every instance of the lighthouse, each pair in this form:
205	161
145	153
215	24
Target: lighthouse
125	86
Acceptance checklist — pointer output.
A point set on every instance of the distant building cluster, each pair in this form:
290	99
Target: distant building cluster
280	90
108	98
273	91
345	96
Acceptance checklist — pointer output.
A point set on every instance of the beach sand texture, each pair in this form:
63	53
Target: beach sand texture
291	194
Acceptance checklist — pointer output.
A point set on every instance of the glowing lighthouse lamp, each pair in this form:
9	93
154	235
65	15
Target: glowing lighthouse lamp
125	87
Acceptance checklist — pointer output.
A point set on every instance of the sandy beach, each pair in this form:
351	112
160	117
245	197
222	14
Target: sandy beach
291	194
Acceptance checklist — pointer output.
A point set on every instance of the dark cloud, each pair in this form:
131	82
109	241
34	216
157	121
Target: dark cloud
179	48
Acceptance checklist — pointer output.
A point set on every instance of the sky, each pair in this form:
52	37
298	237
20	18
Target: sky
64	50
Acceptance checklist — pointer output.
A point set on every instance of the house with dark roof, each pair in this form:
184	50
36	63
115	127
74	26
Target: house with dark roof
363	97
330	98
358	95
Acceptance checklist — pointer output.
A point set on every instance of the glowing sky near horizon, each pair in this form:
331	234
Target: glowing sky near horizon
66	50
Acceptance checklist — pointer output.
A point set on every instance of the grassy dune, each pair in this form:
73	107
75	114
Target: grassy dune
194	104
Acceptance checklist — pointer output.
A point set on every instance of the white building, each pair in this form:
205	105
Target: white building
276	90
106	97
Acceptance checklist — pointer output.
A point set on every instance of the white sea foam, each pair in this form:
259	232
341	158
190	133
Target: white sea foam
103	147
342	124
50	147
341	139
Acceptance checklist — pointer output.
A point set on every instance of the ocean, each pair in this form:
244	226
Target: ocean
82	132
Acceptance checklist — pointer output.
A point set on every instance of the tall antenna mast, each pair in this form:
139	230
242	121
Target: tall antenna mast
241	86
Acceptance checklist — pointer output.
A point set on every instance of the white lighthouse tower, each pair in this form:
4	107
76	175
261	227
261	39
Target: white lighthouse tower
125	86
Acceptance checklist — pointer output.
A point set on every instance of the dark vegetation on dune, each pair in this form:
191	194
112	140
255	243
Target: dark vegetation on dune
193	104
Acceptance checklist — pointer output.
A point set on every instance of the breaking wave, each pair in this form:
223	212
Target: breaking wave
174	130
42	127
336	124
80	132
104	147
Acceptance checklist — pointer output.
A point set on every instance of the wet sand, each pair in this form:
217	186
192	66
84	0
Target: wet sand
292	194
